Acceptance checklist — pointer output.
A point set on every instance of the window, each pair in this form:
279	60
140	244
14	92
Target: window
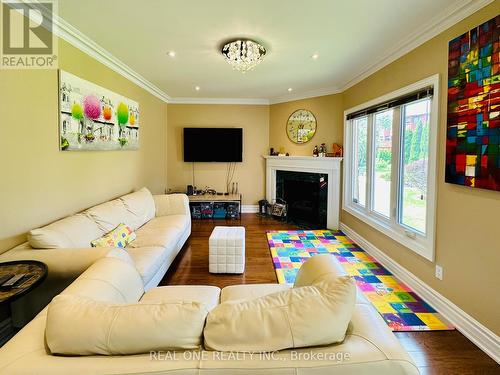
382	155
415	160
390	164
360	127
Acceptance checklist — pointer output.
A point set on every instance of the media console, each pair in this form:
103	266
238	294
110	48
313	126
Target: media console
213	206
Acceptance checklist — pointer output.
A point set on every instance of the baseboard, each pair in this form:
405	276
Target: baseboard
481	336
249	208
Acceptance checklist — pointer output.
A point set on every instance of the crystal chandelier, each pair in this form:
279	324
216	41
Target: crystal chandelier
243	54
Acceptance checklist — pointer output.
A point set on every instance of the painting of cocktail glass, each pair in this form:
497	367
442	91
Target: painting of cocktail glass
94	118
473	124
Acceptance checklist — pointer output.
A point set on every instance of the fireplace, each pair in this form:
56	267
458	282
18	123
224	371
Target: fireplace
306	195
304	170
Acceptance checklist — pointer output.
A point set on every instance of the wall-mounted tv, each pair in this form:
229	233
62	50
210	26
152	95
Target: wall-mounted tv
213	144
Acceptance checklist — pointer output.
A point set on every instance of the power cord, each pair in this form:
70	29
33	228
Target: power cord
193	176
231	169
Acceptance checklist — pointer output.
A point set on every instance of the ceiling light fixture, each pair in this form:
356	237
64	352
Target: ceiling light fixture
315	56
197	88
171	53
243	54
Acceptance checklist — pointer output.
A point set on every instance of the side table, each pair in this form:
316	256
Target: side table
35	272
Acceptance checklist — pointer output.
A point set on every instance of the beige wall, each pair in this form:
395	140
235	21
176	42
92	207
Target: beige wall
250	174
41	184
467	241
328	112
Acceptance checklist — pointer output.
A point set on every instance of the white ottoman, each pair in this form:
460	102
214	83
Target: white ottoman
227	250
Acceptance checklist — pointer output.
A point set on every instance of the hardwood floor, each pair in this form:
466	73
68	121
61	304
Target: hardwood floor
445	352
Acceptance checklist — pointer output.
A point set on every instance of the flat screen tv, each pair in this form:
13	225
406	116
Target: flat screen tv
213	144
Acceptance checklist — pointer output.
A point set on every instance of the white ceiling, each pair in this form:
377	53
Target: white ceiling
352	38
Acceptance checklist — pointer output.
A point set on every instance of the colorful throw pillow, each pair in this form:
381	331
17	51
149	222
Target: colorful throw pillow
121	236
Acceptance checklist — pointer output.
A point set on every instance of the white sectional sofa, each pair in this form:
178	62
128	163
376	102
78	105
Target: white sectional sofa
369	346
162	224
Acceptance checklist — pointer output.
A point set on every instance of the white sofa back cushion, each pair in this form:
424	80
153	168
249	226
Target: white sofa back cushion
121	254
133	209
80	326
317	267
141	207
76	231
295	318
108	215
109	279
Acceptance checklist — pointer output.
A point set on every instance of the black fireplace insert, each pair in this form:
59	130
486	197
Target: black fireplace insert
306	195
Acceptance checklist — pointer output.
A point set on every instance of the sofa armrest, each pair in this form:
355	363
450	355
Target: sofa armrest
62	263
171	204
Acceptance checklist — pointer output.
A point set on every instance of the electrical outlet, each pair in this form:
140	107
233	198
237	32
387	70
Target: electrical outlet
439	272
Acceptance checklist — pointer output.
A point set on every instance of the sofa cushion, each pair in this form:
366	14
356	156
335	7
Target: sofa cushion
109	279
171	204
141	207
156	234
76	231
81	326
298	317
317	267
148	260
250	291
121	254
179	221
120	237
110	214
208	295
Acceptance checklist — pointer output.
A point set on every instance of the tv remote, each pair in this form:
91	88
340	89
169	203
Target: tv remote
13	280
26	280
4	278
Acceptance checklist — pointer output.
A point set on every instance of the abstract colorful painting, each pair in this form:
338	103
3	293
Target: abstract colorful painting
400	307
94	118
473	125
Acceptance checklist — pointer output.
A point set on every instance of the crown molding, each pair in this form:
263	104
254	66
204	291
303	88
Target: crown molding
75	37
257	101
304	95
451	16
244	101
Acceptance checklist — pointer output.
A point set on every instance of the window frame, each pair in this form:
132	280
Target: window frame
422	244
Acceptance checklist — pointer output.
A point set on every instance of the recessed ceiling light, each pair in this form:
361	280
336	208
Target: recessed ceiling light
171	53
315	56
197	88
290	89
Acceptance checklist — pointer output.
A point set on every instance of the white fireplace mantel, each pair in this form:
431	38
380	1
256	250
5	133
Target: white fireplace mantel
325	165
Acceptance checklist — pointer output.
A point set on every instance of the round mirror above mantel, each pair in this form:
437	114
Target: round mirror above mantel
301	126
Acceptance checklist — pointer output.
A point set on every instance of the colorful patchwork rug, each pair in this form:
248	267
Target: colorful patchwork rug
400	307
